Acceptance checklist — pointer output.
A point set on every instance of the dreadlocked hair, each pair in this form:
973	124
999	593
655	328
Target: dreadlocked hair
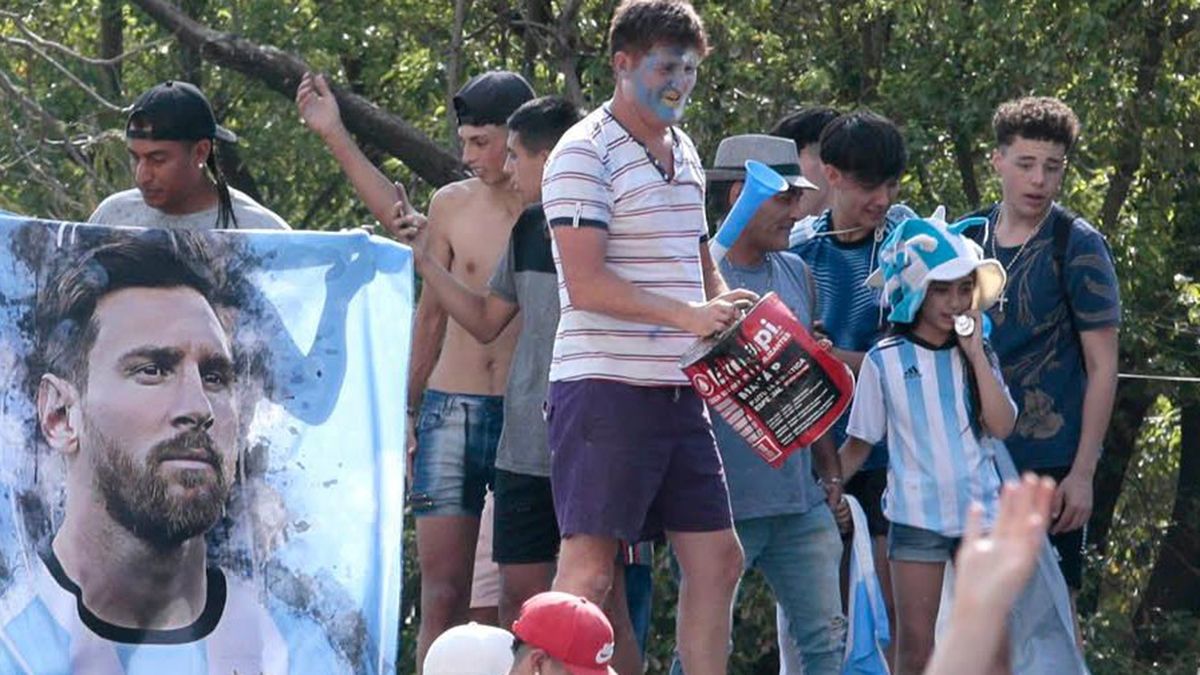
225	215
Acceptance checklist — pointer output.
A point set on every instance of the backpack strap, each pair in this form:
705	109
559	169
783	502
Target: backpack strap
1064	219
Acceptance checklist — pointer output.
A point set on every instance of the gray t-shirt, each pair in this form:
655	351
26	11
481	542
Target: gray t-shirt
755	489
127	208
526	276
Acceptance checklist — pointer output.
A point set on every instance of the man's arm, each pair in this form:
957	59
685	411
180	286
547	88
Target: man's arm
714	283
829	469
484	316
592	287
429	324
319	111
1073	498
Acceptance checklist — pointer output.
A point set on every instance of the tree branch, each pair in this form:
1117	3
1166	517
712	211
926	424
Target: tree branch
282	72
67	51
92	93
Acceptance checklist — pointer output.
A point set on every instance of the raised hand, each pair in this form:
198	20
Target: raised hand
317	105
992	569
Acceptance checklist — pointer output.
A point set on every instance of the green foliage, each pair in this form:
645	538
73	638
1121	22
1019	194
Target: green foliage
939	67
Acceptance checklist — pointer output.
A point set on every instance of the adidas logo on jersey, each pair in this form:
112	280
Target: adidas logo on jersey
912	373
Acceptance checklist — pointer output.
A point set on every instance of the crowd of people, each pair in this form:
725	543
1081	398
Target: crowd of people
554	440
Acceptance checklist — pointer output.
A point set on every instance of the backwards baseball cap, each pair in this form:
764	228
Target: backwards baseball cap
778	153
570	629
174	111
491	97
921	250
472	649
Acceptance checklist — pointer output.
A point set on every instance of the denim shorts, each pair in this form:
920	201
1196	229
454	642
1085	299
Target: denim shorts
457	435
916	544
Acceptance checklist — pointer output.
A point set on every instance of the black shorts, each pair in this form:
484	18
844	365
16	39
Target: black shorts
867	487
1068	546
526	530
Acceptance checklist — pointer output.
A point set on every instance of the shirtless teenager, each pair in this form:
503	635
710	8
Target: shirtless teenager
458	397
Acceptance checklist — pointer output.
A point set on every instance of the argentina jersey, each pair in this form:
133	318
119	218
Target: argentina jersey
918	396
46	630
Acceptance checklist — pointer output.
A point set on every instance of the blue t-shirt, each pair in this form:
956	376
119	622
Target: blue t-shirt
848	308
1036	334
755	489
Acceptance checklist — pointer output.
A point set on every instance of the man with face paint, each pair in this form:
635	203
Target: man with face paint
139	397
633	455
455	383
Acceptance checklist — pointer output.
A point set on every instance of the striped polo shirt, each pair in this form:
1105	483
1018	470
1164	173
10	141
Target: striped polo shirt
600	176
938	462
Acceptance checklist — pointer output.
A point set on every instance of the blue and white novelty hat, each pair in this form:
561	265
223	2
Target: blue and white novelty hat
920	250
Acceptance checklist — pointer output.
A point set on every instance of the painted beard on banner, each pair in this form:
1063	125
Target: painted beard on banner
141	498
663	80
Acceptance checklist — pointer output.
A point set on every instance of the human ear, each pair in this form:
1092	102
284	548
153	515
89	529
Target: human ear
57	404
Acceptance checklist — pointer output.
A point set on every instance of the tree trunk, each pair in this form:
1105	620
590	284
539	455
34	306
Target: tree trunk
190	61
454	69
282	72
1175	581
112	45
1135	115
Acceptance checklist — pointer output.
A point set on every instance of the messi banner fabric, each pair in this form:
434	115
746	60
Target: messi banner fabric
201	450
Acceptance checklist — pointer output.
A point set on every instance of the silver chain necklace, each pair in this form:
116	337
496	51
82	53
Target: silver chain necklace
1012	263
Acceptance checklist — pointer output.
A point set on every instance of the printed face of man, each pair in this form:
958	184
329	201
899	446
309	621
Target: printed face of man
526	169
1031	173
158	419
662	79
484	151
168	173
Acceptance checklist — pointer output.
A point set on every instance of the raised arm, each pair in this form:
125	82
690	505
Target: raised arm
319	110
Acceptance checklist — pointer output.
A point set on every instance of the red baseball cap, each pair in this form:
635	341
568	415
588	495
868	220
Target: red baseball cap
570	629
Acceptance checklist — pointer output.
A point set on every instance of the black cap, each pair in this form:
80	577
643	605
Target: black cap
174	111
491	97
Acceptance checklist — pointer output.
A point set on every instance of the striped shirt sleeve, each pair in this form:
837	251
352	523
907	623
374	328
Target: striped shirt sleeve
576	187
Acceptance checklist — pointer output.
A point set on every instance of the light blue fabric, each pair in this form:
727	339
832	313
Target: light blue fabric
314	527
867	634
1041	624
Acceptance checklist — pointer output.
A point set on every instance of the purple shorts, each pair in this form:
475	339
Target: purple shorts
631	462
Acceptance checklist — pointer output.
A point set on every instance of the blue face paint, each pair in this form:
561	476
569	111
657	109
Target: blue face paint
664	79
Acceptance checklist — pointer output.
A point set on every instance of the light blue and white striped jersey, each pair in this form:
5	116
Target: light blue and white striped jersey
918	395
45	629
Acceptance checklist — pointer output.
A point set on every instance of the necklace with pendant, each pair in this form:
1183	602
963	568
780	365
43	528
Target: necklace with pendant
1000	304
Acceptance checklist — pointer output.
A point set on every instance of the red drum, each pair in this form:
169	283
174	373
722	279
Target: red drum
770	380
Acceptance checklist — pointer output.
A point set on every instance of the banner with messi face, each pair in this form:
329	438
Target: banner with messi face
201	458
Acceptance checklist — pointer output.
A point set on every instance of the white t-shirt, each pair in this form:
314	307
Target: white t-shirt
128	209
600	176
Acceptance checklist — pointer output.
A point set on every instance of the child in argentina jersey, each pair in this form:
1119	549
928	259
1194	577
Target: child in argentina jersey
934	389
